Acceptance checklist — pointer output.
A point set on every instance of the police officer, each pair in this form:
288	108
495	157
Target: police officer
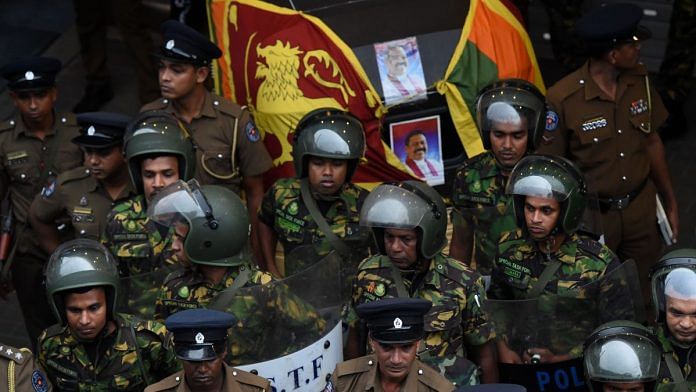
605	117
510	118
93	346
158	152
199	342
409	221
212	232
84	196
34	148
328	146
228	145
621	356
673	281
395	328
548	199
20	372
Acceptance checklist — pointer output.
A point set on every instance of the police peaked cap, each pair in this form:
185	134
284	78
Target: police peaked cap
31	73
199	333
395	320
611	25
101	129
186	45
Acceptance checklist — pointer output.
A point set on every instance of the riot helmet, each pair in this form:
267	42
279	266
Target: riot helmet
549	177
622	352
407	205
673	276
509	101
158	133
328	133
216	217
81	263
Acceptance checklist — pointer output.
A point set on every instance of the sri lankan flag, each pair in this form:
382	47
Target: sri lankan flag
282	64
493	45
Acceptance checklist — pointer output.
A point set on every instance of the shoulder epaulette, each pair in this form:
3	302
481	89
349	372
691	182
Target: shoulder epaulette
377	261
355	365
247	378
53	330
453	269
7	125
67	119
226	106
157	104
590	246
77	173
565	88
18	355
286	183
174	275
170	382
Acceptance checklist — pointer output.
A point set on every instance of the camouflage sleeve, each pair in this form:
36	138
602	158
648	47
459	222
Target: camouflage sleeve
297	313
157	350
266	209
161	310
111	227
461	213
350	316
476	324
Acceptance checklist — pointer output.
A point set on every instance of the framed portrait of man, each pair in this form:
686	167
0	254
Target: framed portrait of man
417	143
400	70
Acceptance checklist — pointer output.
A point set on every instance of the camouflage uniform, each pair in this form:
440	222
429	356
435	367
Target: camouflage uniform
480	203
117	368
455	320
282	209
682	356
189	289
139	244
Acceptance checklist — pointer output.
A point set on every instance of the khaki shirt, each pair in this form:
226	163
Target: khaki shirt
19	371
221	125
77	197
361	374
235	381
605	137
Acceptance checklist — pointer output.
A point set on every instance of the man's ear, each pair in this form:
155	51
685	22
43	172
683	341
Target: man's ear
202	74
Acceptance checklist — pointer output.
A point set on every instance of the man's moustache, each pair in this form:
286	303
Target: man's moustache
421	149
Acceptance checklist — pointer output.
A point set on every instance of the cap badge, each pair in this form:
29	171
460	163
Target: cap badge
91	130
170	44
200	338
398	323
29	75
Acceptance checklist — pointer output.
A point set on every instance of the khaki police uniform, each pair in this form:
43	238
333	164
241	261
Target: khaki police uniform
22	158
607	140
19	371
80	199
235	381
222	127
361	374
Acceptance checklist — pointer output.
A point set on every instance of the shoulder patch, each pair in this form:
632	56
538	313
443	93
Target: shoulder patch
77	173
251	132
49	189
590	246
175	275
38	381
7	125
551	121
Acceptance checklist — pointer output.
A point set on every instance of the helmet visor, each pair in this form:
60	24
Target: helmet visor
390	206
509	105
674	281
623	358
80	256
179	201
541	177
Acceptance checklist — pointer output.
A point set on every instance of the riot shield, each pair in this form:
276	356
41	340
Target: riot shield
138	292
540	340
288	331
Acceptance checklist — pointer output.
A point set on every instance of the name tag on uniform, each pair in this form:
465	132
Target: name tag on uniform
82	214
594	123
16	157
638	107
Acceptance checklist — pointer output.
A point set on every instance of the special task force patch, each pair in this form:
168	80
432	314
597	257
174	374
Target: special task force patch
48	190
38	381
252	133
551	121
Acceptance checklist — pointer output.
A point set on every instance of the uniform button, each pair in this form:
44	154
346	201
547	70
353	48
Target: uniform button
165	101
581	81
216	103
642	125
44	148
595	140
12	122
63	120
219	156
234	374
420	371
177	378
82	232
86	171
22	176
369	362
621	154
619	131
623	178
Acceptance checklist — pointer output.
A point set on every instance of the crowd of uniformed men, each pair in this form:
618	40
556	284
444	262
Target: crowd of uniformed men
544	222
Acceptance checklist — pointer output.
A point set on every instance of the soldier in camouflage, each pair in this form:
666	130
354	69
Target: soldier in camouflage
546	256
328	147
211	235
159	152
409	221
673	284
94	348
510	119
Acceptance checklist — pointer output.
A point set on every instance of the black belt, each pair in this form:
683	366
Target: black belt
618	203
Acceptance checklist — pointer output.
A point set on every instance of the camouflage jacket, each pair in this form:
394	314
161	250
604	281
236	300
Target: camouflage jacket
139	244
266	312
480	204
140	354
685	362
456	319
282	209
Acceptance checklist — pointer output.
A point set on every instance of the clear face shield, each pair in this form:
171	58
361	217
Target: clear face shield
541	180
390	206
509	105
181	202
80	256
622	358
674	282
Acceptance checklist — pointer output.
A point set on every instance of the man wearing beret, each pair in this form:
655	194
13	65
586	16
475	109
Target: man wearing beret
605	117
228	145
82	197
395	328
199	342
34	148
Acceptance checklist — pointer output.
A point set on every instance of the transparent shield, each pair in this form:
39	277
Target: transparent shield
561	323
138	292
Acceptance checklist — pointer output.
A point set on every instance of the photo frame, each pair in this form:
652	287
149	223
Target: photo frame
409	137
